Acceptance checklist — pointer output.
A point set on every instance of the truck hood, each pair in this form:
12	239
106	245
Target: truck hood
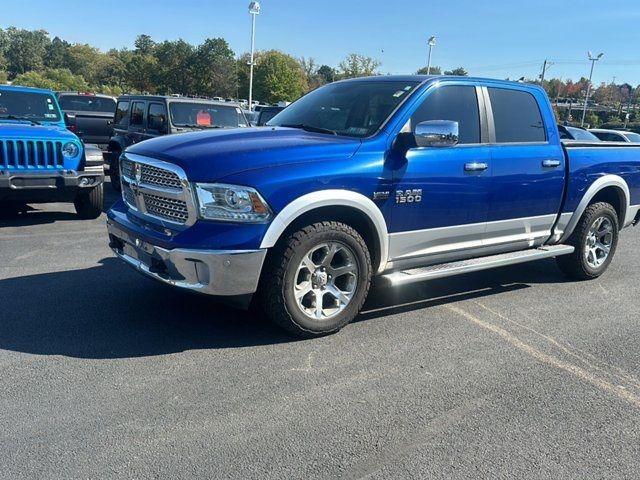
11	130
211	155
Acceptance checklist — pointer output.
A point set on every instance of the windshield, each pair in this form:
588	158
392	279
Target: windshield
31	106
579	134
633	137
87	103
206	115
354	108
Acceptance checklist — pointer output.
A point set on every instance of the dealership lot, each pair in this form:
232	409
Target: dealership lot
513	372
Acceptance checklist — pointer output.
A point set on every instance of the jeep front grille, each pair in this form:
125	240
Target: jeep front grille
156	190
31	155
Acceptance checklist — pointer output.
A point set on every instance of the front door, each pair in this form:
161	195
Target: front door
135	134
442	193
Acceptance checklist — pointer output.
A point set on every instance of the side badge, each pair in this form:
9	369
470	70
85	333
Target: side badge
409	196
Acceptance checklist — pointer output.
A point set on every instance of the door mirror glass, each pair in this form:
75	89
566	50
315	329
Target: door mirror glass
436	133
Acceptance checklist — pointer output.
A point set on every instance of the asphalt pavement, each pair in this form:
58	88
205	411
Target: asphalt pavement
511	373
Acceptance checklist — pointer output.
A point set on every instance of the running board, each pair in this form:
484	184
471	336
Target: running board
476	264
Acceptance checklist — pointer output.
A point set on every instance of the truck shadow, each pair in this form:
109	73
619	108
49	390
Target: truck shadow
109	311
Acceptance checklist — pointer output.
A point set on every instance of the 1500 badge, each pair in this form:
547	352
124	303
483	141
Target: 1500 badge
402	196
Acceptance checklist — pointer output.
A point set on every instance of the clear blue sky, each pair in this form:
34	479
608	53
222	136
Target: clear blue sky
493	38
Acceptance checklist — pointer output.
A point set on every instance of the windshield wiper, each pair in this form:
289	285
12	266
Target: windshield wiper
15	117
310	128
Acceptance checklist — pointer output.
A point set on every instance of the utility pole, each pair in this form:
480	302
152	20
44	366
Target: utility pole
593	61
432	43
545	66
254	10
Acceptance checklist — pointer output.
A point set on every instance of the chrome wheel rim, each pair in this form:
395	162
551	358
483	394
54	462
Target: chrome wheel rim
599	241
326	280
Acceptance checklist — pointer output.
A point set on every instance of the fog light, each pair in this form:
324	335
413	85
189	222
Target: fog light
84	182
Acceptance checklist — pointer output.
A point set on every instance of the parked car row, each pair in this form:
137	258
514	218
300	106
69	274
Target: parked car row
568	132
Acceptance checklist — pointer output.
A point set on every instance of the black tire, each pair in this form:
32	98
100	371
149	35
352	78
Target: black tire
89	204
280	275
576	266
114	169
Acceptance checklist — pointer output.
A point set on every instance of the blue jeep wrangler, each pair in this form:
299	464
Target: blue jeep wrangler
40	160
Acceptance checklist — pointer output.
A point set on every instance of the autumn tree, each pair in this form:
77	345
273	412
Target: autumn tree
356	65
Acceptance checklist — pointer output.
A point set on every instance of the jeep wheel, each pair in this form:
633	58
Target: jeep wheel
595	240
316	281
89	204
114	168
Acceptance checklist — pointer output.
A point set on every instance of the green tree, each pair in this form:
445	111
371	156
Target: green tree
144	44
278	77
356	65
85	60
53	79
56	54
459	72
26	50
175	61
435	70
327	73
214	68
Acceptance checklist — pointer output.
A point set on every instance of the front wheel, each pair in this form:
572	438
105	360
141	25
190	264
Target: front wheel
316	281
89	204
595	240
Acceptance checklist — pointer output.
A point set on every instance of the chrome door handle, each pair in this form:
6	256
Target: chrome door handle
551	163
475	167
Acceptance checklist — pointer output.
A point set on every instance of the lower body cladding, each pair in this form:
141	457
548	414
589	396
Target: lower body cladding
232	275
47	186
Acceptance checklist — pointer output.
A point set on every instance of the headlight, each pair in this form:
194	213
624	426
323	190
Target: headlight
231	203
70	150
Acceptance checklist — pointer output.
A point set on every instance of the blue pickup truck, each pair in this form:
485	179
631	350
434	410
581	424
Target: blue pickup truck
408	178
40	159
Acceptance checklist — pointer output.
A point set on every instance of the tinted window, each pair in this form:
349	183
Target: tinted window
455	103
18	105
633	137
87	103
609	137
122	114
354	108
157	117
516	116
206	115
137	113
580	134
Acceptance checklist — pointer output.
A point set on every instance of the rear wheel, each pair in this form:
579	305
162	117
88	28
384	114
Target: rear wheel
316	281
89	204
114	168
595	240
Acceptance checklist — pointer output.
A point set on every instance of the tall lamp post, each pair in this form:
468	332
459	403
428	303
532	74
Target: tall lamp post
254	10
432	43
593	61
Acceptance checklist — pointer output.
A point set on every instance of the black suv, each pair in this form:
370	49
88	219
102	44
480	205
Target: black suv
140	117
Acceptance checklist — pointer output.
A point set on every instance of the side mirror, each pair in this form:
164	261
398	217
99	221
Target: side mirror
436	133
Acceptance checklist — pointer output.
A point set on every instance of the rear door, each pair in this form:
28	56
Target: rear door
528	169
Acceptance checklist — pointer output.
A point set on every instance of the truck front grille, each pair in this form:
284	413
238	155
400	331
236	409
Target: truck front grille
156	190
31	154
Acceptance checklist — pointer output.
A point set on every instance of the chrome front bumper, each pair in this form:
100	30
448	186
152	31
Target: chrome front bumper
223	273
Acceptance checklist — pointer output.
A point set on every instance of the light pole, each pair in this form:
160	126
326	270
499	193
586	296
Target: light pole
432	43
254	9
593	61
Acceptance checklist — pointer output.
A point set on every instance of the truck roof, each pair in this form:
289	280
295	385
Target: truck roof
424	78
19	88
161	98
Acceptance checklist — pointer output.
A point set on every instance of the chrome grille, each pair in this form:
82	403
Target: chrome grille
167	208
157	190
31	155
158	176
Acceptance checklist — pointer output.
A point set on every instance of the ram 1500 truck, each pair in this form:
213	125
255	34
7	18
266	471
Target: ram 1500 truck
405	177
40	160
